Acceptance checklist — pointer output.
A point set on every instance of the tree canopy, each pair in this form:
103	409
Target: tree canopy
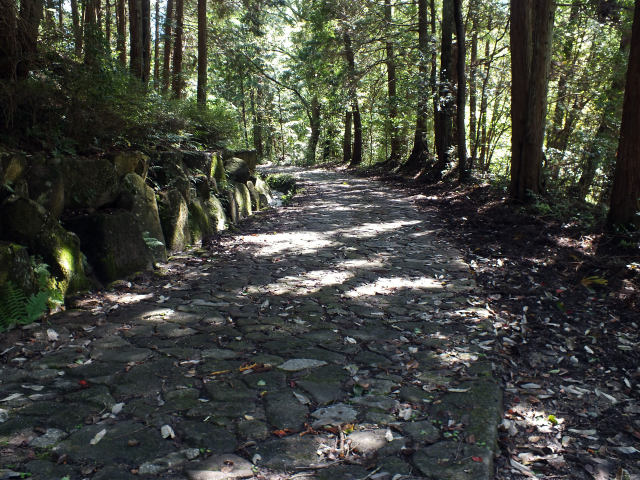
529	94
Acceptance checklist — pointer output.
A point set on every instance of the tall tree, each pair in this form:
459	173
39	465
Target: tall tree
8	40
346	139
202	53
27	35
445	98
121	41
166	65
156	49
530	37
75	26
473	87
463	169
418	157
136	63
625	195
107	25
92	40
146	40
392	119
177	82
352	81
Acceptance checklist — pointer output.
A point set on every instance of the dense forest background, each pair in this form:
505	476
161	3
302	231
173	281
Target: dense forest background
528	95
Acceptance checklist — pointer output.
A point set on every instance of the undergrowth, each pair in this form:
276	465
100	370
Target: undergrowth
18	308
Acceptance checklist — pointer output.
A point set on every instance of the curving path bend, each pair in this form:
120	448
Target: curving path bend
338	338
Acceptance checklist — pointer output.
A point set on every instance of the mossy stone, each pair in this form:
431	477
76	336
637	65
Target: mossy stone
15	267
113	243
89	182
131	162
174	216
28	223
140	199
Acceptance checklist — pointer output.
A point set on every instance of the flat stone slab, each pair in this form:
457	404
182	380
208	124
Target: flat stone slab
334	415
221	467
297	364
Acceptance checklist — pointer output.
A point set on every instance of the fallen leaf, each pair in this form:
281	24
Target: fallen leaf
98	436
167	432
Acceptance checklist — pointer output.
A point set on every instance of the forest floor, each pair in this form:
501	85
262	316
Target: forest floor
565	300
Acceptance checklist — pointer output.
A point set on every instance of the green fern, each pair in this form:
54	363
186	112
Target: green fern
18	309
13	303
36	306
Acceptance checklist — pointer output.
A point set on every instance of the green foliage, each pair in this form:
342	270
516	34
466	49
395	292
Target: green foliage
282	182
52	108
16	308
151	242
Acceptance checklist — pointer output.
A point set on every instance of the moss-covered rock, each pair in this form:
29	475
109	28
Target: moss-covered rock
231	204
203	186
255	198
243	199
140	199
199	223
113	243
200	161
12	166
217	168
168	171
264	192
174	215
24	221
46	186
89	182
215	211
237	169
131	162
15	267
249	156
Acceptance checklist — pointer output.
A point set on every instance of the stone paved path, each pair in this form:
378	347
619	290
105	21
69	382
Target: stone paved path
339	338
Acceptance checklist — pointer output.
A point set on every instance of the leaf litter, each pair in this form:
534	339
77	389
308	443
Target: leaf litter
566	308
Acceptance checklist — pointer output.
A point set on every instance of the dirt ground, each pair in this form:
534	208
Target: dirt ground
566	304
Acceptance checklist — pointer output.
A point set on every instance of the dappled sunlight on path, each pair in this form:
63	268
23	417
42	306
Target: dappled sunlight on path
335	338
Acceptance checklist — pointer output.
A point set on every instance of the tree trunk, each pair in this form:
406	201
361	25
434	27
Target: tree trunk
107	25
531	32
156	49
256	107
166	65
445	98
8	43
202	53
315	131
484	103
61	15
121	41
177	84
473	92
463	169
391	123
356	154
28	25
625	194
418	158
136	64
146	41
75	26
346	141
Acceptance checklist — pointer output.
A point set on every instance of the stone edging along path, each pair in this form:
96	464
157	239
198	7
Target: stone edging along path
338	338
